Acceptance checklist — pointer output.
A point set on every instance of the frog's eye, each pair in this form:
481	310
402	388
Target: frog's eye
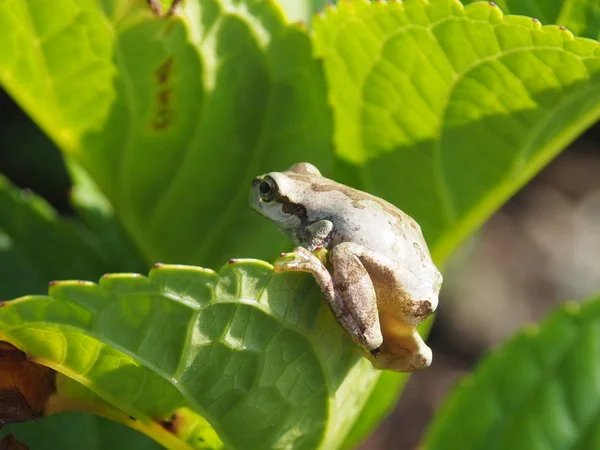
267	189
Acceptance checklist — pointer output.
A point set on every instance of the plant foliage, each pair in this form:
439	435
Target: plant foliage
443	109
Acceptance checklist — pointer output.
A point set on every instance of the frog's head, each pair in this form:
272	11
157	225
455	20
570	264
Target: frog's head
279	196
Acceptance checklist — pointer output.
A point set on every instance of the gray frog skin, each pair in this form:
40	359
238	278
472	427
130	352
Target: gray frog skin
381	282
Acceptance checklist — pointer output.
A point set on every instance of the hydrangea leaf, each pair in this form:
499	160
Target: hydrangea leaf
257	354
539	390
447	110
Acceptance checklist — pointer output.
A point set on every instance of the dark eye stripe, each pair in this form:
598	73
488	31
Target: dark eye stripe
293	209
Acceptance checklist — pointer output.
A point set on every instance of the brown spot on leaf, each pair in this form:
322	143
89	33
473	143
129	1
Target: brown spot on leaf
52	283
164	71
170	424
10	443
24	385
157	265
232	261
171	10
164	114
156	7
164	97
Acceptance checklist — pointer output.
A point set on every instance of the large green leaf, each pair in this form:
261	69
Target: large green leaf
99	217
76	431
256	354
36	247
172	117
450	109
540	390
447	110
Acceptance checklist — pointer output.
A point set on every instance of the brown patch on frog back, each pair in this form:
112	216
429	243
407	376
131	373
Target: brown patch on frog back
304	178
356	196
352	194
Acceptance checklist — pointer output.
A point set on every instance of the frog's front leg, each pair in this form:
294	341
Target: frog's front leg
349	293
316	234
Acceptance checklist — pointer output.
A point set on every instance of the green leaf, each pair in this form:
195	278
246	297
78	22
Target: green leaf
450	109
99	217
540	390
581	17
37	246
446	111
382	401
257	354
75	431
172	117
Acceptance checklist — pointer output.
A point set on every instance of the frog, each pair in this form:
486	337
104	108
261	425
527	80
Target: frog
368	257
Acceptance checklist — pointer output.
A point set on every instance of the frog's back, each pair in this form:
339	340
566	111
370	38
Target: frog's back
374	223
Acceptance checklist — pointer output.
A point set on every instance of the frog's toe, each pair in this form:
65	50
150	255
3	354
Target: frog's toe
303	253
286	262
422	360
299	260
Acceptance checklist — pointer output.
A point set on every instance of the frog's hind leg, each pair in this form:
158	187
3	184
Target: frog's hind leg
349	293
355	288
399	292
402	303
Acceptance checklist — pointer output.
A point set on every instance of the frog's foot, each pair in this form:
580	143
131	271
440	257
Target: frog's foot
404	354
300	260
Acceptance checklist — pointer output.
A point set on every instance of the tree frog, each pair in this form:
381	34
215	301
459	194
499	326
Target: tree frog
380	281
